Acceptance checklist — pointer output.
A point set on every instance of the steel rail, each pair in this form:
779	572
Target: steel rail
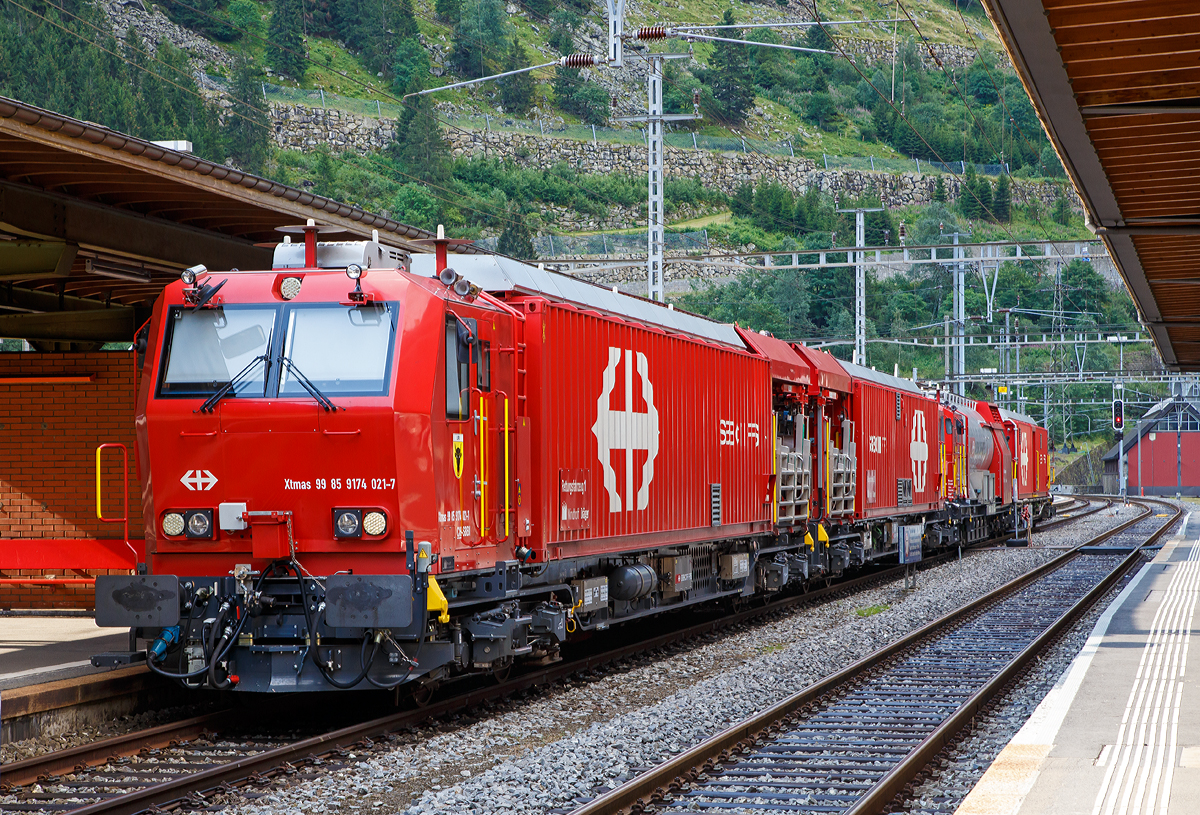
1104	503
43	768
655	785
879	797
40	768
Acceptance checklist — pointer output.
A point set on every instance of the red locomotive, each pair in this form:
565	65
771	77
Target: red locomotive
364	470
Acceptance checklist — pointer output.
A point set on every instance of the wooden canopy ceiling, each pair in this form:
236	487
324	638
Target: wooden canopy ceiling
1117	86
96	221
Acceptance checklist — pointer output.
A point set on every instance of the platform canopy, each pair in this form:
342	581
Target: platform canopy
93	224
1116	84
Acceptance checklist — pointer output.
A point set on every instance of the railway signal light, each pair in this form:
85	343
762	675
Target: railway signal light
1118	415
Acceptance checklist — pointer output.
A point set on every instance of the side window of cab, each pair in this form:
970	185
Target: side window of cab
458	368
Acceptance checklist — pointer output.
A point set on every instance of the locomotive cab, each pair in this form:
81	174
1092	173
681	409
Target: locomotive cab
284	427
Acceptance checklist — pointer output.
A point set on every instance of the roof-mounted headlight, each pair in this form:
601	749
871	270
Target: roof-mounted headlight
189	275
354	271
289	287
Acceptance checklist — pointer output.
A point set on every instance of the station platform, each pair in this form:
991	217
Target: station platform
1119	734
35	650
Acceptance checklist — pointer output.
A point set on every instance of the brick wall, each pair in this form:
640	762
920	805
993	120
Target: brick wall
48	439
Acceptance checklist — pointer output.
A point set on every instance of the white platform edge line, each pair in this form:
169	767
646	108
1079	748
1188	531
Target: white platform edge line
1047	718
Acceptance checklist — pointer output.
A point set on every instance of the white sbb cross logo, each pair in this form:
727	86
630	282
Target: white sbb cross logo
1024	457
198	480
626	430
918	451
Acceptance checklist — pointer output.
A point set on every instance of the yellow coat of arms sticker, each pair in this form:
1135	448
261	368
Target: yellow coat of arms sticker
457	453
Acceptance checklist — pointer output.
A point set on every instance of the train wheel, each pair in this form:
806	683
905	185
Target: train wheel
501	673
422	693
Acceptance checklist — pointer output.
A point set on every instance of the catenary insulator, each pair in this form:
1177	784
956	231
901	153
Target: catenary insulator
652	32
577	60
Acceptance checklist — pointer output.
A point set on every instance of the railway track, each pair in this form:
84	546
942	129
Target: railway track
182	766
1078	508
851	742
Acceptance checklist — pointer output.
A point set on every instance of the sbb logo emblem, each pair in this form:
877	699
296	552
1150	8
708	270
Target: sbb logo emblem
201	480
625	430
918	451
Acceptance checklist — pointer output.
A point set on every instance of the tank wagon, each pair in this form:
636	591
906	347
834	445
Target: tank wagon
365	470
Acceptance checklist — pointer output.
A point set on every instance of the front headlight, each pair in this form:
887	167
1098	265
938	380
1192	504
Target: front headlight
347	523
289	288
172	524
375	523
199	523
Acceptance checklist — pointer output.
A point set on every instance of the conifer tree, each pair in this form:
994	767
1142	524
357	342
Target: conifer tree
563	25
285	45
742	202
404	23
539	8
905	139
410	66
516	241
983	191
516	92
246	126
968	197
732	83
420	145
410	61
1002	200
449	10
574	94
1062	210
480	38
939	190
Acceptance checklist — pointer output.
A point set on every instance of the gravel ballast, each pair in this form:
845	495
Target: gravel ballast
959	768
540	753
571	741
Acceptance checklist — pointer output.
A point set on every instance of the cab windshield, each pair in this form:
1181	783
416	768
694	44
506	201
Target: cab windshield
339	349
209	347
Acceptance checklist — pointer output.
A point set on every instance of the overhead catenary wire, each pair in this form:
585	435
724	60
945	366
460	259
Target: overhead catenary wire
455	201
970	110
909	122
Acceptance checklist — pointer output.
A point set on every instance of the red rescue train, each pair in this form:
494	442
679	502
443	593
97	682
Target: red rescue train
362	470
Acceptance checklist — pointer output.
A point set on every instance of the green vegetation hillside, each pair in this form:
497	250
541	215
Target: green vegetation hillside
64	55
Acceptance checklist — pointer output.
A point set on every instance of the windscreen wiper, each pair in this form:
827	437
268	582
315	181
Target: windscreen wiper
211	402
312	389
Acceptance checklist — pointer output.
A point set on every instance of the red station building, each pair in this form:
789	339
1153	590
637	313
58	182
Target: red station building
1162	452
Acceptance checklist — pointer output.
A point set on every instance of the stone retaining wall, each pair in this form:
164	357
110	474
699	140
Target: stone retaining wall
297	127
873	51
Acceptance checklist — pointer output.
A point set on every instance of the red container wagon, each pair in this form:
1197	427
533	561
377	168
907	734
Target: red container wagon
665	438
1028	443
984	508
896	425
